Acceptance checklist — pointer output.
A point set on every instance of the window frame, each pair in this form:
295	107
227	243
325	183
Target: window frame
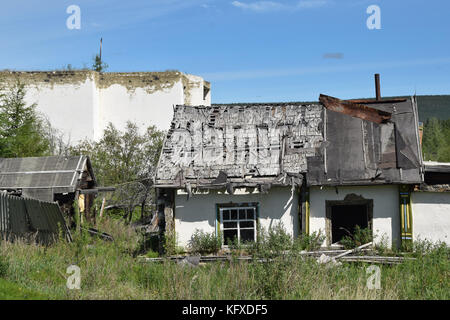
237	206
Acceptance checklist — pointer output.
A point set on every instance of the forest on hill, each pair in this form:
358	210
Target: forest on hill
434	112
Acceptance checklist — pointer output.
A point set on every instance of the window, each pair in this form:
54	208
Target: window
238	221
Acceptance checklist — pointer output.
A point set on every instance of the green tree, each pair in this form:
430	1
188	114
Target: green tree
436	140
23	132
98	64
127	160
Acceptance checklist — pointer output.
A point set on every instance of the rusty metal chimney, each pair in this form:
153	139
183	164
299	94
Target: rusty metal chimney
377	86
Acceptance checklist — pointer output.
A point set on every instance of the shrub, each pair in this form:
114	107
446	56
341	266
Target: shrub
358	238
170	243
271	242
152	254
203	242
309	242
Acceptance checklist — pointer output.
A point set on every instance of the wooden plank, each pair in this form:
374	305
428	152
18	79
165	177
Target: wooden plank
353	250
354	109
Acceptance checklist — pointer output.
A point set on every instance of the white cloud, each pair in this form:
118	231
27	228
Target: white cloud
266	6
259	6
311	3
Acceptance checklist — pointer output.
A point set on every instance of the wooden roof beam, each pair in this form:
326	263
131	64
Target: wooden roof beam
354	109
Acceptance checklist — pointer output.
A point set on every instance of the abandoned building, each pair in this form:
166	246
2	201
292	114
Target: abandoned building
326	166
145	98
52	179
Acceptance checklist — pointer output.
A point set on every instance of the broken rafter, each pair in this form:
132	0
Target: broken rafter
372	101
354	109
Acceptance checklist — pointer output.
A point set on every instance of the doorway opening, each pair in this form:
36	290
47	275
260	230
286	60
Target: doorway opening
344	216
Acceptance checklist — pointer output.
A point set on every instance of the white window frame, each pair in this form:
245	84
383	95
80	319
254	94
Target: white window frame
238	227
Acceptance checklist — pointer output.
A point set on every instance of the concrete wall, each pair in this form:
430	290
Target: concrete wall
431	216
81	103
386	220
199	212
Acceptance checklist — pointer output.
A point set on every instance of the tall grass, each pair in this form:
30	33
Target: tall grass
110	270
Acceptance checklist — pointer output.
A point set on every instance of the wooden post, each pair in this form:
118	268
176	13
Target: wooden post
77	211
377	87
304	195
405	215
103	207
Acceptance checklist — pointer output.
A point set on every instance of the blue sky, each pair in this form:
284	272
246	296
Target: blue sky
250	51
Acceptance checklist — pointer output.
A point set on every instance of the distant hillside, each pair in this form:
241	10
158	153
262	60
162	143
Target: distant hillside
434	106
429	106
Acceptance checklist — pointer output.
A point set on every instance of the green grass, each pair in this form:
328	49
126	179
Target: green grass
12	291
110	270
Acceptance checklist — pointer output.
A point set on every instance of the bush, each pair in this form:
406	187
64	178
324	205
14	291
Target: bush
358	238
202	242
152	254
170	243
271	242
309	242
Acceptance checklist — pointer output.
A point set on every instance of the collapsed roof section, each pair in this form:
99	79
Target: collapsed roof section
376	145
42	177
334	142
243	145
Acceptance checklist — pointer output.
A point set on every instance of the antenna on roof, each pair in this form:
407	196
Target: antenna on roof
101	40
377	86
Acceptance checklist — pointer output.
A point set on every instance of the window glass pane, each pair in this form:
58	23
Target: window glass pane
246	224
228	225
250	213
242	214
247	235
226	215
229	235
234	214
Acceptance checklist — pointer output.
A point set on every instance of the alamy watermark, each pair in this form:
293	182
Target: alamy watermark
374	279
74	20
74	280
374	20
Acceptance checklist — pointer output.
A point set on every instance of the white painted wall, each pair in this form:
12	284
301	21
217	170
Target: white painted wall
386	219
81	103
118	105
199	212
431	216
69	107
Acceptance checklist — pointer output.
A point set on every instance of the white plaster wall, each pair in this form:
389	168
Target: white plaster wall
83	109
195	95
431	216
118	105
199	212
386	220
69	107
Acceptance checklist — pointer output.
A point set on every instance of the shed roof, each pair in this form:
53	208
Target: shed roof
59	174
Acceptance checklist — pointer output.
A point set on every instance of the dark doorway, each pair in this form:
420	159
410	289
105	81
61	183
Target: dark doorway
344	219
343	216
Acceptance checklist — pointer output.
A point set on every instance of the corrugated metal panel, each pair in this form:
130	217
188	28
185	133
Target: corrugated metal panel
4	220
41	172
21	217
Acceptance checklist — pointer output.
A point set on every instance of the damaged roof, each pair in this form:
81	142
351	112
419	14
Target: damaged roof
333	142
41	177
437	177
